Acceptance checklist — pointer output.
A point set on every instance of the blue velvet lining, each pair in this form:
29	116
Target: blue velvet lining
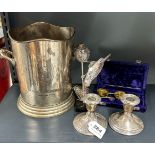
125	76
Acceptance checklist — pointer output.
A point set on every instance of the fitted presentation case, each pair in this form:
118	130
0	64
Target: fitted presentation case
130	77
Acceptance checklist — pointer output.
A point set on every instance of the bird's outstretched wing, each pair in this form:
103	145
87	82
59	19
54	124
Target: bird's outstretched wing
94	69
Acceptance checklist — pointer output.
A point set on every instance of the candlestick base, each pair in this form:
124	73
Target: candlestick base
82	120
126	124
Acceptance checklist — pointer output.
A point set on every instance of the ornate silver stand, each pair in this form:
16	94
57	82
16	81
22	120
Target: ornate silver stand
126	122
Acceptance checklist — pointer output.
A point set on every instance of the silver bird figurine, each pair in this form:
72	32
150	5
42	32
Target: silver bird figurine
78	91
94	69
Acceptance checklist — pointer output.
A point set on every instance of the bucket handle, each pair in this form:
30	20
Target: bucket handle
6	54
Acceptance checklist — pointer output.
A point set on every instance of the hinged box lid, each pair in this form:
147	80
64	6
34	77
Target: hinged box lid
131	75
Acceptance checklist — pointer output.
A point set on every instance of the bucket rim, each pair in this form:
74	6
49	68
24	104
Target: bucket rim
41	39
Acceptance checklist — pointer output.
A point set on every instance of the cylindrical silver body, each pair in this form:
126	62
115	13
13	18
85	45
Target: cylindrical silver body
42	54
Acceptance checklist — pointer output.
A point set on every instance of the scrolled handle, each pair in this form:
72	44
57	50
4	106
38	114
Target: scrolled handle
6	54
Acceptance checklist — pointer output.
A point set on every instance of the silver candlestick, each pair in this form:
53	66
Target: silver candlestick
82	120
126	122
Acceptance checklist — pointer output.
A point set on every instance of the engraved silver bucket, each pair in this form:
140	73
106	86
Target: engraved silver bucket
42	53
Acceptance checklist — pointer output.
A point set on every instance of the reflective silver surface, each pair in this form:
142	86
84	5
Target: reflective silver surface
42	53
95	68
126	122
78	91
82	120
82	53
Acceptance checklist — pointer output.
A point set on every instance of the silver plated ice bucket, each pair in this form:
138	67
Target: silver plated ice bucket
42	53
